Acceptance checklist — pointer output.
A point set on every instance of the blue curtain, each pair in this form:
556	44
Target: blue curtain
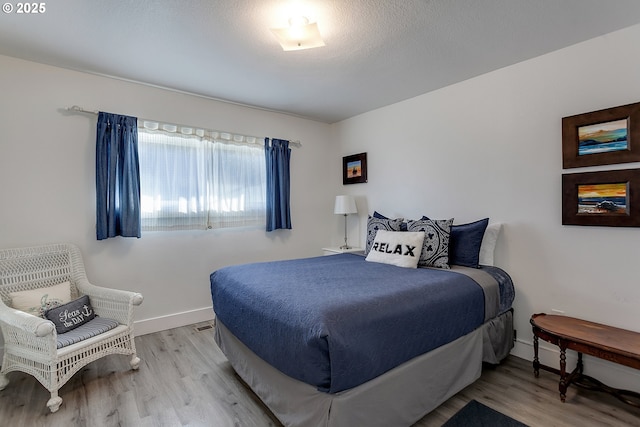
278	156
117	176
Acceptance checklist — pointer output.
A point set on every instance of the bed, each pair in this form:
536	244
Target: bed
341	341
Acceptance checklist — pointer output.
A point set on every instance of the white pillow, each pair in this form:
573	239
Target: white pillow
400	248
37	301
488	245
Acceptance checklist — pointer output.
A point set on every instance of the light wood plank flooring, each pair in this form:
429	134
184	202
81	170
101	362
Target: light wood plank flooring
184	380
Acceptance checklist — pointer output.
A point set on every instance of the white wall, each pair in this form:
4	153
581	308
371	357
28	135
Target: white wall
491	146
47	189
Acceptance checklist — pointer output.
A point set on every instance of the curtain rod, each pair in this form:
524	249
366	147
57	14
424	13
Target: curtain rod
77	109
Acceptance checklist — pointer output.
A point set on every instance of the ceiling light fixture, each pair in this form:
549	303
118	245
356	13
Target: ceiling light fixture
299	35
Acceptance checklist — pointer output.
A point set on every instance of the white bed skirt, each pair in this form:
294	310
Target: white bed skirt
399	397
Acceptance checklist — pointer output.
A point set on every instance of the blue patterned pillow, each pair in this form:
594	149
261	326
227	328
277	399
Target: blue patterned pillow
403	225
375	224
435	250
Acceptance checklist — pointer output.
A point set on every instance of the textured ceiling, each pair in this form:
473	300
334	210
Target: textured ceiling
377	52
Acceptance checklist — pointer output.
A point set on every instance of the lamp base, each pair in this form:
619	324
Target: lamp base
346	247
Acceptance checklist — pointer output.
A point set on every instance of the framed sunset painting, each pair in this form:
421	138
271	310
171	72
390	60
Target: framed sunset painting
603	199
354	169
608	198
601	137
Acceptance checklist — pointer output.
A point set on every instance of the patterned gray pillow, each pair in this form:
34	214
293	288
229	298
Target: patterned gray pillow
375	224
71	315
435	250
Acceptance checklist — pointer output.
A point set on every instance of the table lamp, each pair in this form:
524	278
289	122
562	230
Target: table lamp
345	205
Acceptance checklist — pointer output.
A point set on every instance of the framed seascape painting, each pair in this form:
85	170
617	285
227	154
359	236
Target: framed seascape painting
601	137
609	198
354	169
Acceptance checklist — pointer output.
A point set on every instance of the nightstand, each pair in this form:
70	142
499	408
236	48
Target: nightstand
336	250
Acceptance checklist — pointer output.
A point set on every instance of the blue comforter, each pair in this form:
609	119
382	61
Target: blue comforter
338	321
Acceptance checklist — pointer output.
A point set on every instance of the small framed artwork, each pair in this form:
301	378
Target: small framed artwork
601	137
609	198
354	169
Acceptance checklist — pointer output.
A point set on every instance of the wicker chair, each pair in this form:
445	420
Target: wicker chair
30	342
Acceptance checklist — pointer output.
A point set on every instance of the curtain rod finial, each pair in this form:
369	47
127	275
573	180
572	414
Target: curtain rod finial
79	109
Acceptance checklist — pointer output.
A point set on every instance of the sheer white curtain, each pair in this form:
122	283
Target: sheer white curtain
191	181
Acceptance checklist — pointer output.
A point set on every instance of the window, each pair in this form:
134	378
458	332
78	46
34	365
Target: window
197	182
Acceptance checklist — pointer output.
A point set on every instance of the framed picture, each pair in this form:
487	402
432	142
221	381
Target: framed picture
354	169
609	198
601	137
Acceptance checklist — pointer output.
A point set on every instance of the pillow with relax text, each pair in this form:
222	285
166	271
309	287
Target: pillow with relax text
400	248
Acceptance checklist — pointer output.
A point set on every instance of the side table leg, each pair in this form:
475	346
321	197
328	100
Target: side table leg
563	373
580	366
536	361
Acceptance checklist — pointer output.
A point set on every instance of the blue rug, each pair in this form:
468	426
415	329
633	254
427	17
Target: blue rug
475	414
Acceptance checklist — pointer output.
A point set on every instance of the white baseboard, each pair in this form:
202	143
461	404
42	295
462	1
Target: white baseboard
612	374
176	320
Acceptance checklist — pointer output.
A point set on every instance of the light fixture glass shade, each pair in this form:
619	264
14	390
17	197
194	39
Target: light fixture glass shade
299	35
345	205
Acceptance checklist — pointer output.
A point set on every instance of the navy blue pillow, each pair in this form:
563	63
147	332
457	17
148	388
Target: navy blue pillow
403	226
464	247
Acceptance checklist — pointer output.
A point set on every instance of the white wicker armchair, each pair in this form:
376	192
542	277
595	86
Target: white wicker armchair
30	342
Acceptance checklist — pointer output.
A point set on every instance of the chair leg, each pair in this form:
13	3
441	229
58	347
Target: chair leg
134	362
4	381
55	401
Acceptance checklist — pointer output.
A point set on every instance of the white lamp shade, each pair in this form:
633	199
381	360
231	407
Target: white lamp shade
345	205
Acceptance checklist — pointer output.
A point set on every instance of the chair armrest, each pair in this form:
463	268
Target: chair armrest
118	295
26	322
115	304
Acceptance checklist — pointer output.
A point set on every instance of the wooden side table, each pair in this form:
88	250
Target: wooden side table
606	342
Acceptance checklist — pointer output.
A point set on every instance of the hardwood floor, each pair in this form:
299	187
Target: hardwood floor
184	379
